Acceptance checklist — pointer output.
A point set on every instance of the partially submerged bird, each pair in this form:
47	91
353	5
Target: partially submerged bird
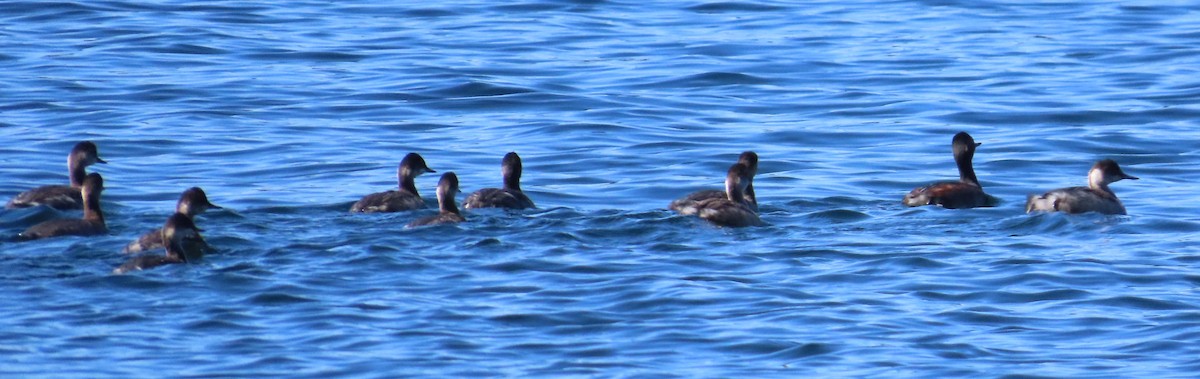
1096	197
447	210
192	202
184	244
687	203
510	196
91	224
403	199
62	197
964	193
732	210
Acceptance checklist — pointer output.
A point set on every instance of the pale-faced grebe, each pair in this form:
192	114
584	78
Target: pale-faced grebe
406	198
184	244
510	196
1096	197
447	211
732	210
91	224
192	202
58	196
965	193
750	160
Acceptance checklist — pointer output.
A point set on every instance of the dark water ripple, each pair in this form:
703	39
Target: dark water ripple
287	112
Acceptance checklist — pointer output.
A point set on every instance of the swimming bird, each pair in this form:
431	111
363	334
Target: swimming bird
184	245
1096	197
406	198
192	202
688	203
447	211
59	196
91	224
510	196
964	193
732	210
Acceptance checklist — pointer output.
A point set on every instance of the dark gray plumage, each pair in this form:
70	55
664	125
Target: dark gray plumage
731	211
62	197
403	199
747	158
964	193
510	196
185	244
447	210
91	224
192	202
1096	197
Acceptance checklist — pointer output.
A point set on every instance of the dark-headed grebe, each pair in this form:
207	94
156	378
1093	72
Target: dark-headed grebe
406	198
965	193
184	244
1096	197
447	210
91	224
732	210
192	202
58	196
750	160
510	196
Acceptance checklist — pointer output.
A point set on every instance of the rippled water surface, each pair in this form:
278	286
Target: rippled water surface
288	112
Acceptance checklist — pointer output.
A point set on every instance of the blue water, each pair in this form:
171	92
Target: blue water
288	112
